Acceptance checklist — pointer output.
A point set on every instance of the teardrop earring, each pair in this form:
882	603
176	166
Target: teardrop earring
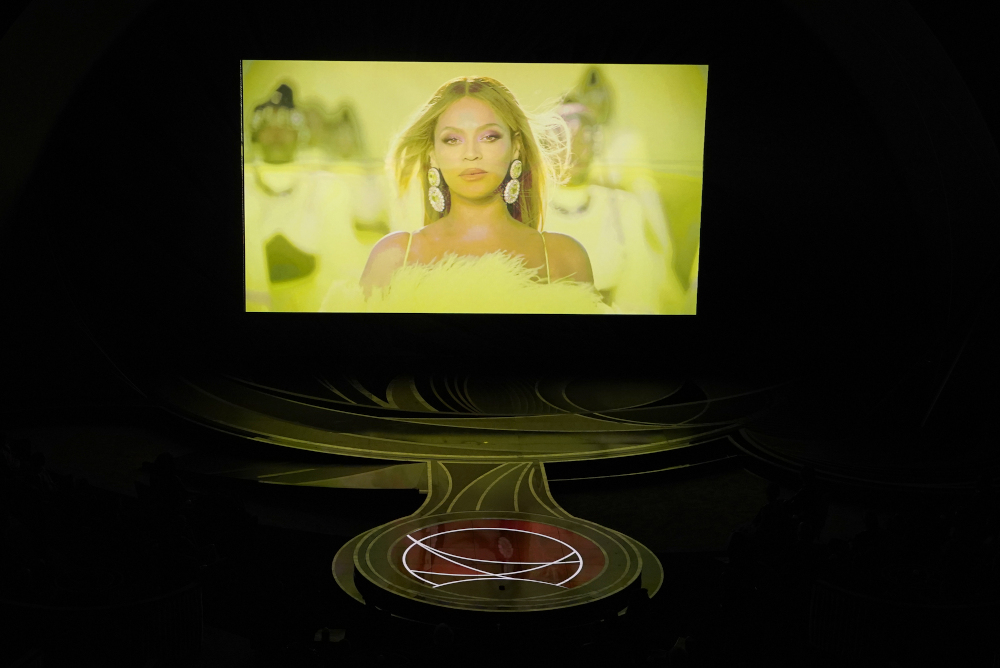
434	194
513	188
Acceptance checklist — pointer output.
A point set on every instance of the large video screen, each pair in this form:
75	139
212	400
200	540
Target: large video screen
405	187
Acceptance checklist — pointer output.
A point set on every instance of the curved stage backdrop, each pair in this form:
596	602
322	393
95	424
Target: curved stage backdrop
489	537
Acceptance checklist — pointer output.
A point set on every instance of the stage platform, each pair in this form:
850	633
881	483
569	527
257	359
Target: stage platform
444	481
489	544
490	541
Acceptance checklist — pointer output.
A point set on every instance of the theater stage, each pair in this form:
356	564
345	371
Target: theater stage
489	543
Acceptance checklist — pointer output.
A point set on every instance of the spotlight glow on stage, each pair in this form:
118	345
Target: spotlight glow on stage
500	551
482	572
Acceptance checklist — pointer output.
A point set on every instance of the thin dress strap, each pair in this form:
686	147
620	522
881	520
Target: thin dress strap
409	240
548	276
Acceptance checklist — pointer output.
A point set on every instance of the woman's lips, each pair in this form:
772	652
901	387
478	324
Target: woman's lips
472	174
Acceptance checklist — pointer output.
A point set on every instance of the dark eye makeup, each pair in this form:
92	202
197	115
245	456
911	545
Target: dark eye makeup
492	136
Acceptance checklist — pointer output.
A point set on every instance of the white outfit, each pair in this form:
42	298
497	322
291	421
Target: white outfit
493	283
629	258
315	215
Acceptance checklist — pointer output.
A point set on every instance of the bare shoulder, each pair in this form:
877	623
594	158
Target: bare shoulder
390	249
567	258
390	242
386	257
563	243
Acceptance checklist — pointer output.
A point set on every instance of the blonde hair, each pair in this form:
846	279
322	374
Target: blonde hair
543	140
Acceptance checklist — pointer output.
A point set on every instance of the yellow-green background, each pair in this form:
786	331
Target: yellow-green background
663	105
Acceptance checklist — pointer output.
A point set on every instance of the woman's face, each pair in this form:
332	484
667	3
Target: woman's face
473	148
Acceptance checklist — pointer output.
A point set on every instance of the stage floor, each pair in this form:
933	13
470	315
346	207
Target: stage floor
489	539
483	443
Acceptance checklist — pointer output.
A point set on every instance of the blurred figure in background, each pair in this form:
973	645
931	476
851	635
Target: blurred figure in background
298	222
336	145
629	245
624	160
365	178
274	143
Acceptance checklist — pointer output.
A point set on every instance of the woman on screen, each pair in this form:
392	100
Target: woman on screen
483	167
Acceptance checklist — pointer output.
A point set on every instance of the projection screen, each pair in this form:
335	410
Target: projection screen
405	187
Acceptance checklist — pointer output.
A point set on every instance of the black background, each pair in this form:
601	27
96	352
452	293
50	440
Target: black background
818	259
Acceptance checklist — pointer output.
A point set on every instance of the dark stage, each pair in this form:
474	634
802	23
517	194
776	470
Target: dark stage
803	473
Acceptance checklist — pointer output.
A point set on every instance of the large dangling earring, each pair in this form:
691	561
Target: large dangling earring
434	194
513	188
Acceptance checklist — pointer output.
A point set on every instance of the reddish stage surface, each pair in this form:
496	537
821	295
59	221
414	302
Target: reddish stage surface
499	550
